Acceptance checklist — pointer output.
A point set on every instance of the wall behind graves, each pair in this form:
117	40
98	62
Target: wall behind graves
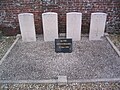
9	10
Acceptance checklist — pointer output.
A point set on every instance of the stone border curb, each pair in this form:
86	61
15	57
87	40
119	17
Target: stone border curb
95	80
29	81
54	81
6	54
114	47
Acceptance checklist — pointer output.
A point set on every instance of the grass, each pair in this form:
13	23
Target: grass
5	44
115	39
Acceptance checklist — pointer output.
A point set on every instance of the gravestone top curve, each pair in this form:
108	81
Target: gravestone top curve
74	13
49	13
22	14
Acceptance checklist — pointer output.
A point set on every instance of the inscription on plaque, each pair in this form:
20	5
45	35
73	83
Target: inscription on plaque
63	45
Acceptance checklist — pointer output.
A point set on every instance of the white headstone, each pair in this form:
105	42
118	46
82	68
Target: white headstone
50	26
27	27
74	21
97	26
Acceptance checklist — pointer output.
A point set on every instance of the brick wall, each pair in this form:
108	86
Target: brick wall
9	10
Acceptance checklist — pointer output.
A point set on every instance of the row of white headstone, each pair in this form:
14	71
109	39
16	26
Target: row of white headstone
50	26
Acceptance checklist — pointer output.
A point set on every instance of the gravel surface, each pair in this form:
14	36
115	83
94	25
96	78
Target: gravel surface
71	86
38	60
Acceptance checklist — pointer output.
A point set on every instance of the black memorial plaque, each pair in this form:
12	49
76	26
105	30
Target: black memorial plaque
63	45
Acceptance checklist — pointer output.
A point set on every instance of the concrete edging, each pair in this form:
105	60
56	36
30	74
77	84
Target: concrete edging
114	47
95	80
6	54
28	81
54	81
